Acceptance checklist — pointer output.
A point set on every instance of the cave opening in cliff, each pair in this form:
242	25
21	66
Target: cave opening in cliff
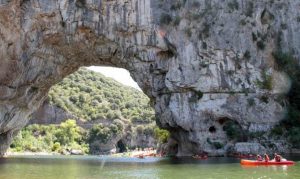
212	129
121	147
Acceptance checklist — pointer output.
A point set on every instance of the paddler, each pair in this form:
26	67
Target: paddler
278	158
259	158
267	158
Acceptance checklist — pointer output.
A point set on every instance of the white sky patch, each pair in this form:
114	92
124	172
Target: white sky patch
119	74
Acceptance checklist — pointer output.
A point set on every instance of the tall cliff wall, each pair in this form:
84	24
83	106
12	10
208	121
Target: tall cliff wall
202	62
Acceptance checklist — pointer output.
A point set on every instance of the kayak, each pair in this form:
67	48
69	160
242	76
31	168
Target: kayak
204	157
255	162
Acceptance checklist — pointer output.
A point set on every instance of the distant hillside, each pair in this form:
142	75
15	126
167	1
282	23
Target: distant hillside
90	96
108	116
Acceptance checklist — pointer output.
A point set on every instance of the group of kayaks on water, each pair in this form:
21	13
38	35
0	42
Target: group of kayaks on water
278	159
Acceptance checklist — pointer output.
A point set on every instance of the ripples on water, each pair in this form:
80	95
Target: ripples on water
95	167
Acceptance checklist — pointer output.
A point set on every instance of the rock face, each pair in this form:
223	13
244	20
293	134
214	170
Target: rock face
50	114
249	148
203	63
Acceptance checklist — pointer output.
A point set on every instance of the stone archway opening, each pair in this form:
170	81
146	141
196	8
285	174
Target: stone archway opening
41	43
106	103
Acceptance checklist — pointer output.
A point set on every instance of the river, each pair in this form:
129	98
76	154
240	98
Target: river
95	167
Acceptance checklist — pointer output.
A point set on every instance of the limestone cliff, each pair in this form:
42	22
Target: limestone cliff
202	62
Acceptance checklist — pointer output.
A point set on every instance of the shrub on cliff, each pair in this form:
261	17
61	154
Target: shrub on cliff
161	135
103	133
233	130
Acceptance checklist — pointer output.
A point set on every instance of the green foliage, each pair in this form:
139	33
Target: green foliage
68	133
261	45
287	63
251	102
56	147
247	55
294	136
255	135
264	99
217	145
233	130
197	95
176	6
233	5
177	21
165	19
205	31
42	138
284	26
90	96
266	83
277	130
243	22
249	9
161	135
99	132
105	133
188	32
254	37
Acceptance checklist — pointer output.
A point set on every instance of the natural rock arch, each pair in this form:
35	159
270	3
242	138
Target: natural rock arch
197	61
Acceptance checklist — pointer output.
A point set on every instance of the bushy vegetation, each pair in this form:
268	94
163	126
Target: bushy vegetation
216	145
165	19
90	96
161	135
51	138
105	133
233	131
266	82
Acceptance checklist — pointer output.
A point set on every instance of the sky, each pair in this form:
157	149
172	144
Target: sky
119	74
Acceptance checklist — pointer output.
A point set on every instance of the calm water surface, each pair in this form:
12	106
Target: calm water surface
94	167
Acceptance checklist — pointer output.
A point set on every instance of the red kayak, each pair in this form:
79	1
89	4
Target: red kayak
255	162
200	157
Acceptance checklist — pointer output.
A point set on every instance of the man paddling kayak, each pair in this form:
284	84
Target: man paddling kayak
278	158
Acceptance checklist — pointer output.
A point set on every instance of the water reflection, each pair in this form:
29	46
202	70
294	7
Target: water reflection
92	167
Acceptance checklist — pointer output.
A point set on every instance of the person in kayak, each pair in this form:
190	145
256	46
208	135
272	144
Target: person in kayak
279	158
259	158
267	158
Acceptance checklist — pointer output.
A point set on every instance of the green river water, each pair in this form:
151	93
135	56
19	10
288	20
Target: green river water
95	167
